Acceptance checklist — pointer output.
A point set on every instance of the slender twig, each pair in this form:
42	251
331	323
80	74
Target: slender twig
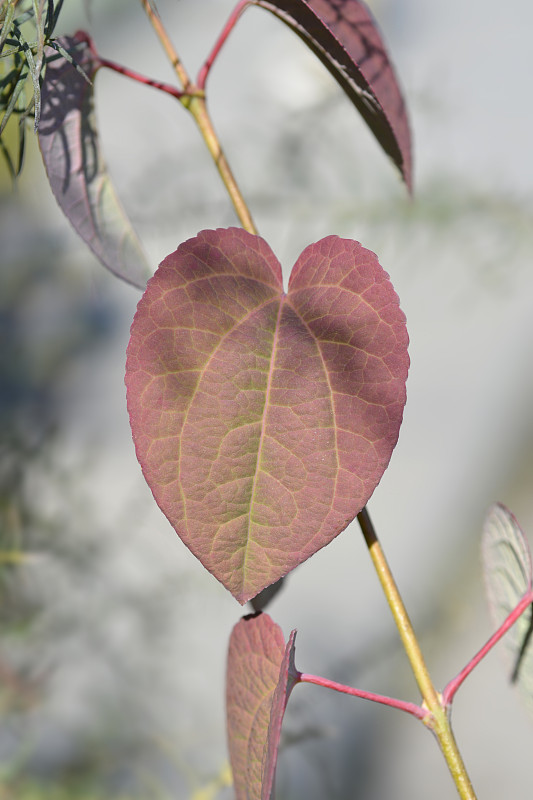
399	612
136	76
432	712
228	27
193	100
452	687
437	719
410	708
168	47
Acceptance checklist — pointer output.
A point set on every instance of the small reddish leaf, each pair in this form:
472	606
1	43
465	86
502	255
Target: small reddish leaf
263	421
260	677
345	37
78	177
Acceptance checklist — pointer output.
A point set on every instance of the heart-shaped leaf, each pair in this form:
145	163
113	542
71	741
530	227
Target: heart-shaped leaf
71	153
263	421
345	37
508	575
260	677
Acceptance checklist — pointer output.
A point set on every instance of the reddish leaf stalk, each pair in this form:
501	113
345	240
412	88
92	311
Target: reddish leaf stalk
410	708
452	687
228	27
136	76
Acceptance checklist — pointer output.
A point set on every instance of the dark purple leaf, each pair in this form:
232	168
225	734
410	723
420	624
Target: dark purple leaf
260	677
263	421
345	37
73	160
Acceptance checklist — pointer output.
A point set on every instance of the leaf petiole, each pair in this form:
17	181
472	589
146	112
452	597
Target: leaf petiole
452	687
136	76
411	708
228	27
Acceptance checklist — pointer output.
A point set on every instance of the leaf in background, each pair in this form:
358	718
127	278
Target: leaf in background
508	572
345	37
260	677
263	421
76	171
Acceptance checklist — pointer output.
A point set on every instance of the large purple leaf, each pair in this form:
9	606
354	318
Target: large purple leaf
260	677
263	421
345	37
75	167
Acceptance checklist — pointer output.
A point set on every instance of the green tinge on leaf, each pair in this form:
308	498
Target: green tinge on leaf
508	574
75	167
263	419
260	677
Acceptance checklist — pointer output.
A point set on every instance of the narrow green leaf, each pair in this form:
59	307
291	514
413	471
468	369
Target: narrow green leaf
508	574
6	24
16	93
34	71
8	160
68	57
22	145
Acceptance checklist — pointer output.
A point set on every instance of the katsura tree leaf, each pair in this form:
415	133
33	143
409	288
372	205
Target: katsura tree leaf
345	37
260	677
263	420
74	164
508	575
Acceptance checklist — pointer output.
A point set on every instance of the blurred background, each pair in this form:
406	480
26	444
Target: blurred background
113	638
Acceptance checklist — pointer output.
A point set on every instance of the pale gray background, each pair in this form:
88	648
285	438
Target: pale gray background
134	647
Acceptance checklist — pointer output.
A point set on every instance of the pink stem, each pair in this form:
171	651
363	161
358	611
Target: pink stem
410	708
82	36
136	76
230	24
452	687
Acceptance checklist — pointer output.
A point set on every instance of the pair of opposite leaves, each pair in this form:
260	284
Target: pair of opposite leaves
263	420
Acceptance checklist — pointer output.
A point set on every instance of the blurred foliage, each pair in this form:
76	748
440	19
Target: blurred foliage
34	356
85	694
30	790
27	28
45	322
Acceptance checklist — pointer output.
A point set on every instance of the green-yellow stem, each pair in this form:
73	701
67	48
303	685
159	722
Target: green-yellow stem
168	47
199	111
438	720
194	101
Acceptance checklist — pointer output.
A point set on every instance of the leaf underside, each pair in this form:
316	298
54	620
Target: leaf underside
263	420
76	170
260	677
345	37
508	573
